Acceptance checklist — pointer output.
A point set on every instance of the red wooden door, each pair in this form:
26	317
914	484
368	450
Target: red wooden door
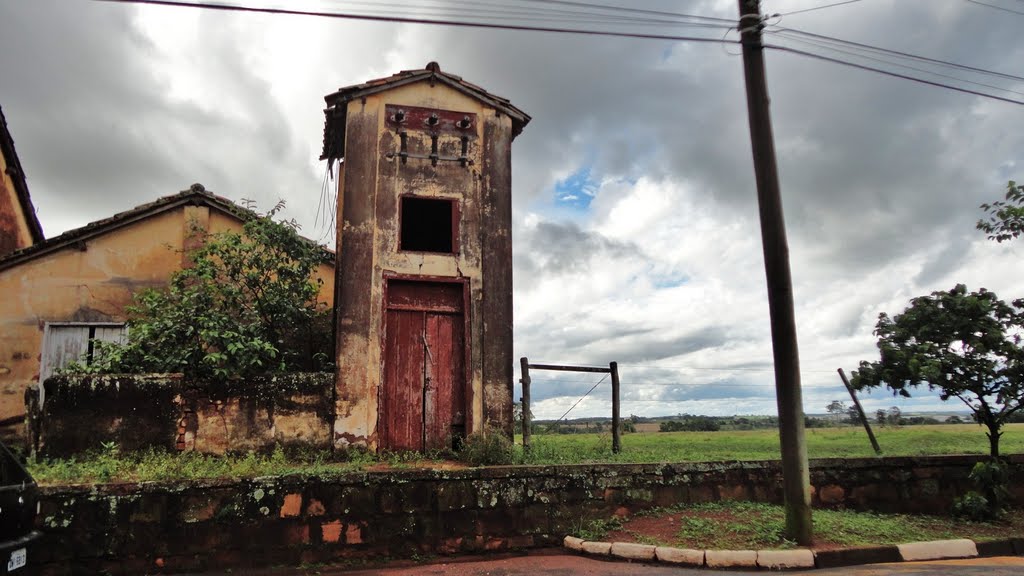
423	396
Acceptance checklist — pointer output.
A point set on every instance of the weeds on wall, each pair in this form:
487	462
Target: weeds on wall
491	447
989	499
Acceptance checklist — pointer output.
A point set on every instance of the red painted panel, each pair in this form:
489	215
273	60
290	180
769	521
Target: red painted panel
437	296
423	396
415	118
445	400
402	395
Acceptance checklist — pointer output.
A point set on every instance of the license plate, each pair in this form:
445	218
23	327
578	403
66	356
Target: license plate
18	559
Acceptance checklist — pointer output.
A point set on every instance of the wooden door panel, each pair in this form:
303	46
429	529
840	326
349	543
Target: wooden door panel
402	402
444	400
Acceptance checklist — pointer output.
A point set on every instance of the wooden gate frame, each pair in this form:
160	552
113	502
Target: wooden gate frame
466	331
613	369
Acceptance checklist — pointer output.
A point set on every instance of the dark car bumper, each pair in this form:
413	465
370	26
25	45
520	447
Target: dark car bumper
7	547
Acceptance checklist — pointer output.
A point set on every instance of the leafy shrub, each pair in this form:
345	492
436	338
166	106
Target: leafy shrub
247	304
488	448
972	506
988	501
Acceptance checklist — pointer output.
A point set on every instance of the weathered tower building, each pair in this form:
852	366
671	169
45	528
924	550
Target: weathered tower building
424	274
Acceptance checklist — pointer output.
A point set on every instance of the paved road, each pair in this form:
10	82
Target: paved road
550	563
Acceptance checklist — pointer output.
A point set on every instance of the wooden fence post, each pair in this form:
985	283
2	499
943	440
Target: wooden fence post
524	365
863	418
616	439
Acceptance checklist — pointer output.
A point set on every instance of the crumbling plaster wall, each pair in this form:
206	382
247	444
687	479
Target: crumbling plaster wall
140	411
89	282
93	281
368	208
14	230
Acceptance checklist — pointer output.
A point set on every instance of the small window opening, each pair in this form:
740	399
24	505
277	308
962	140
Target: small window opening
428	225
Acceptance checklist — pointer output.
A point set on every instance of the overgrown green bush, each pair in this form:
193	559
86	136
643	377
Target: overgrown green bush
247	304
988	502
488	448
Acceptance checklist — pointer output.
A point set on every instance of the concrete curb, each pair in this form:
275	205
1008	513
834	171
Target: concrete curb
938	550
799	558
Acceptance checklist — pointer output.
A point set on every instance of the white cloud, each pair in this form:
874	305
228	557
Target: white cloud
113	106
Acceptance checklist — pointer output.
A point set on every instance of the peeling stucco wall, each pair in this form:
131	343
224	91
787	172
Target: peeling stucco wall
14	230
138	411
93	281
368	207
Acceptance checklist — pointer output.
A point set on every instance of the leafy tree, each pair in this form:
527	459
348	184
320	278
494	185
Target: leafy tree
1005	217
965	345
246	304
880	417
895	416
836	408
853	415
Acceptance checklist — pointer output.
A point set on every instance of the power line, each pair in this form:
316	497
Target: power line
584	396
898	53
826	46
633	10
504	9
582	31
889	73
409	20
993	6
817	8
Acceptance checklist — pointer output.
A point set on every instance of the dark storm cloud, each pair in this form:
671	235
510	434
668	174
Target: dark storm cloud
723	390
97	129
560	248
872	167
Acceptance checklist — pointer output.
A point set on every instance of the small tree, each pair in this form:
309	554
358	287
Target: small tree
895	416
965	345
1005	217
853	415
880	417
836	408
247	304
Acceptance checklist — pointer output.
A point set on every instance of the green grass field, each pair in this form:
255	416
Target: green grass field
109	464
846	442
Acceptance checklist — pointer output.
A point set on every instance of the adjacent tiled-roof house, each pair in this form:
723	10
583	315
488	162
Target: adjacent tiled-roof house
62	293
19	227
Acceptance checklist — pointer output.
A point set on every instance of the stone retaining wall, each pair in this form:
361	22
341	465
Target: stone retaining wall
206	525
136	411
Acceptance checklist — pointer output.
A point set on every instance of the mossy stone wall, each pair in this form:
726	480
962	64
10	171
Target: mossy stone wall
244	524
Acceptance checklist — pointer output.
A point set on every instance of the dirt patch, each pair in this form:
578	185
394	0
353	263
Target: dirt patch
417	464
741	526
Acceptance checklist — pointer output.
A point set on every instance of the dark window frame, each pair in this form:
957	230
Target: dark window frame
455	214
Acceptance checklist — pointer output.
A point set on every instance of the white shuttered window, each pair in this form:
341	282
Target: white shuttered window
64	343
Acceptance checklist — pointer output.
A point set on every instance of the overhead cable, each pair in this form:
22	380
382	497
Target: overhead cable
611	33
817	8
584	396
897	53
993	6
410	20
891	63
890	73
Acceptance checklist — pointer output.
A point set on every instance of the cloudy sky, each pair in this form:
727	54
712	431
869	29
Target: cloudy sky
635	222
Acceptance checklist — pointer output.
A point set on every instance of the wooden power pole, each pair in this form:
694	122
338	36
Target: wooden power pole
795	475
860	412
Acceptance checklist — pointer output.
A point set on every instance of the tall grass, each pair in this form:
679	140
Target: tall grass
847	442
111	465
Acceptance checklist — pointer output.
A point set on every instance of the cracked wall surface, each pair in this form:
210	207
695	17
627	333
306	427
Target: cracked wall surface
373	181
89	282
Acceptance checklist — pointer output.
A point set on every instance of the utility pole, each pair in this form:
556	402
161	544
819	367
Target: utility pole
795	474
860	411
